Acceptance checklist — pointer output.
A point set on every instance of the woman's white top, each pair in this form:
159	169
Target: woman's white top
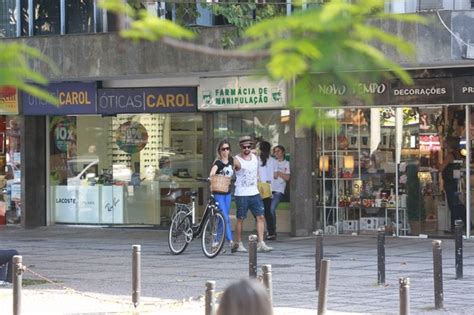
246	182
266	172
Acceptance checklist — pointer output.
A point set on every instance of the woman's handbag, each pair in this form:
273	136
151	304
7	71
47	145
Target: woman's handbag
220	184
265	190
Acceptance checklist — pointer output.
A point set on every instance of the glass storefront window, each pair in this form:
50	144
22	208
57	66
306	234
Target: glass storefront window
129	169
10	168
46	17
79	16
7	18
383	167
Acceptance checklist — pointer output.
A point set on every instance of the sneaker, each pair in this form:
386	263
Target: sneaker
263	248
239	247
271	237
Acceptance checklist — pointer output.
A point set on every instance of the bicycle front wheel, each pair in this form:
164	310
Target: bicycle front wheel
178	235
213	235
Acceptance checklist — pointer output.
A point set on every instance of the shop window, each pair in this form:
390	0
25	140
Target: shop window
79	16
129	169
46	16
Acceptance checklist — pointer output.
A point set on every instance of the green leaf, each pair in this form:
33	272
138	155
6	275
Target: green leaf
286	66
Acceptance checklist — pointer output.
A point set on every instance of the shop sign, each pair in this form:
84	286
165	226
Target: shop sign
112	204
73	98
132	137
423	91
240	93
146	100
464	89
377	91
8	101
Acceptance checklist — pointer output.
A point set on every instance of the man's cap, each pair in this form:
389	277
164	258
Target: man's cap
245	139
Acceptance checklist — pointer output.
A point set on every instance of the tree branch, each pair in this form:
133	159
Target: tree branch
253	55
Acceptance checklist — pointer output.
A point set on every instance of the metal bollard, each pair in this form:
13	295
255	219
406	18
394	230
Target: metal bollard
458	225
267	280
253	256
136	275
323	287
318	256
17	283
381	256
404	296
210	301
438	274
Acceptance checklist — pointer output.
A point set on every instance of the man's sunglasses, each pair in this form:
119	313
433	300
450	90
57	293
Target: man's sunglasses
246	146
225	149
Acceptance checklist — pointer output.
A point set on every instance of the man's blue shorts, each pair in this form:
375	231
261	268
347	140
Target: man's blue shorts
254	203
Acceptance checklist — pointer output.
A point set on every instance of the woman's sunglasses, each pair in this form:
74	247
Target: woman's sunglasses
225	149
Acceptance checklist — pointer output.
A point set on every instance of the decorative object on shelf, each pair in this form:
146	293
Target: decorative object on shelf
342	141
348	166
324	163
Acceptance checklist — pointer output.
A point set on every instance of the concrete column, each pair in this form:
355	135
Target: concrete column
33	175
301	182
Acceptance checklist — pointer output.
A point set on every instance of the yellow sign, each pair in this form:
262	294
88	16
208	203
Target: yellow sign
8	101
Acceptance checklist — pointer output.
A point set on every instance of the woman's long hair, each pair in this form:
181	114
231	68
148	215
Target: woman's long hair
264	152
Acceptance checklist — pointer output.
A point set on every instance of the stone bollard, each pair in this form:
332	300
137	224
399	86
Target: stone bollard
253	256
381	256
267	280
323	287
318	256
210	301
17	283
136	275
438	274
404	296
458	247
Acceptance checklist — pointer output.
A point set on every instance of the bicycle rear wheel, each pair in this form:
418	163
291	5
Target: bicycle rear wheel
178	235
213	235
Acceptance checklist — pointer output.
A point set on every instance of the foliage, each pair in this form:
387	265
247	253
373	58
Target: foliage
242	16
335	39
16	72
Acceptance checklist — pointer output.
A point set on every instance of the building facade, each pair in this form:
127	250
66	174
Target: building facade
132	108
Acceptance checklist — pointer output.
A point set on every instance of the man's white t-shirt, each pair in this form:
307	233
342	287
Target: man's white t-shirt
279	184
246	182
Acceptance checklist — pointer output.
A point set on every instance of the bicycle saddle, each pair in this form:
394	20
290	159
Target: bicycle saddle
191	193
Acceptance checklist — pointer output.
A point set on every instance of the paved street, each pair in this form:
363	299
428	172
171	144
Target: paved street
96	263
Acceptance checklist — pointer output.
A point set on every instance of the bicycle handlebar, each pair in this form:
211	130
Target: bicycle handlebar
202	179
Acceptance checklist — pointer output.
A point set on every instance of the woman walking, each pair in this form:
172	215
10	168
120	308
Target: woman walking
224	165
266	165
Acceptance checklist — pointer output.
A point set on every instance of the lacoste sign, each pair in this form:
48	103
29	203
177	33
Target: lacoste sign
240	93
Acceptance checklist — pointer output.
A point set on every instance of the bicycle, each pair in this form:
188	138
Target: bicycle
184	228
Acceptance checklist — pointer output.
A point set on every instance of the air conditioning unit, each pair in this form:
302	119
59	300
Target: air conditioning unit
429	5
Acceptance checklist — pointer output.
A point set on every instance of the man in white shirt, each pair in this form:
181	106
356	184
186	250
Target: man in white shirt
247	195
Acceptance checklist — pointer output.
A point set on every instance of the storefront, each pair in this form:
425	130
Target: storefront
253	106
10	157
383	165
120	155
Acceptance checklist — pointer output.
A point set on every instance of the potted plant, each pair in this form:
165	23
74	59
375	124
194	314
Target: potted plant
415	206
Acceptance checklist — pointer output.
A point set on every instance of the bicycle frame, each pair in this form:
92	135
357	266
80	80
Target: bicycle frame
210	208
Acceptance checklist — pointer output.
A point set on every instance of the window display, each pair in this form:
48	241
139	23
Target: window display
128	169
392	179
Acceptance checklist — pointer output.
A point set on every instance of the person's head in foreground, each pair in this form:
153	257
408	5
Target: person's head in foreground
245	297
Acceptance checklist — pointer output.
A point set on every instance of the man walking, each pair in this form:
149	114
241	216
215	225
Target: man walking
247	195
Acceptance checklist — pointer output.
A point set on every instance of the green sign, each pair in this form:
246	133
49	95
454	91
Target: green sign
240	93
